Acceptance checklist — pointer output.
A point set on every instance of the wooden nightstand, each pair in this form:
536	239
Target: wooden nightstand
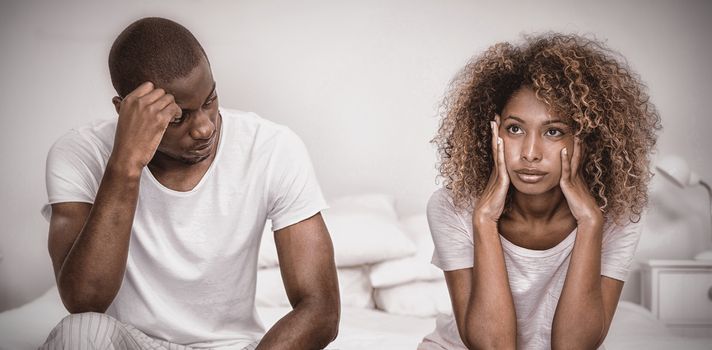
679	293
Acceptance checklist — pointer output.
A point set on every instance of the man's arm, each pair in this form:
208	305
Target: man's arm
88	244
306	260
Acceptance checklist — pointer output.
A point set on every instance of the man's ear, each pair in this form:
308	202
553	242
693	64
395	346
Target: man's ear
116	100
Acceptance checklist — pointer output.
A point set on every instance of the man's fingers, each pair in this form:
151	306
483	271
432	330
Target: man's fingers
170	111
152	97
141	90
163	101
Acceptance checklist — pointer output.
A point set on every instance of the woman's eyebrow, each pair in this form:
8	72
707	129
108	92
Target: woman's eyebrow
515	118
554	121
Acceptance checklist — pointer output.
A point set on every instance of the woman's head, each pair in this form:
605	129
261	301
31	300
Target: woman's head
572	80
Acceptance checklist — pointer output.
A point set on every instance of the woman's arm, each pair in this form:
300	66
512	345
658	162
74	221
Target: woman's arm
481	297
588	300
482	300
490	319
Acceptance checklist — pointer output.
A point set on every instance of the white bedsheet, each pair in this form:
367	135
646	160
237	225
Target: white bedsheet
633	328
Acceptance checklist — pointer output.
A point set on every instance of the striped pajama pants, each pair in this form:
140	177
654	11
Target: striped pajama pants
95	331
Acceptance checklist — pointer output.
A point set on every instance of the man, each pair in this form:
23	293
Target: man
156	217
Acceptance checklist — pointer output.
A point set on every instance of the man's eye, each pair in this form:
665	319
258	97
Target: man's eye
179	119
209	102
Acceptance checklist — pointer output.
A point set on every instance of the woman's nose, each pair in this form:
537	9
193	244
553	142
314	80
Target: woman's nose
530	149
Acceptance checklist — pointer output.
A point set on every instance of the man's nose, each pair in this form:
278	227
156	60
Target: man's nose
202	126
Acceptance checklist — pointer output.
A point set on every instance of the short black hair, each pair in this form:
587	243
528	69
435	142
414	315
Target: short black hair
152	49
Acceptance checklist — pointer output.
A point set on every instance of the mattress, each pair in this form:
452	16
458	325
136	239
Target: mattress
633	327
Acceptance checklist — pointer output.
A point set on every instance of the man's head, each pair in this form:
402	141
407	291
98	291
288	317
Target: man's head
168	55
152	49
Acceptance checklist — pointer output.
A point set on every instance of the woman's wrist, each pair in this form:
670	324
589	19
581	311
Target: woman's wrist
483	225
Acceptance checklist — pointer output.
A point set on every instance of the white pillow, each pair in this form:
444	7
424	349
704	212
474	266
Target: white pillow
365	238
413	268
422	299
374	203
364	230
354	287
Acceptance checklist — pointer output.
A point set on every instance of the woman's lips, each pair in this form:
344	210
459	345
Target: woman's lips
530	175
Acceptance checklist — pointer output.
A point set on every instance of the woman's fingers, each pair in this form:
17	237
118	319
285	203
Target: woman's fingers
576	158
565	166
501	167
495	136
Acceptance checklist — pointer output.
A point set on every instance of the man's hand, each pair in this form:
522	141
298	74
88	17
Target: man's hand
144	115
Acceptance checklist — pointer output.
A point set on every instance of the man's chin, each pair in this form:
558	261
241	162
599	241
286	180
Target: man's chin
193	160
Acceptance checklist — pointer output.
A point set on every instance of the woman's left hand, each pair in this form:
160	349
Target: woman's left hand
581	203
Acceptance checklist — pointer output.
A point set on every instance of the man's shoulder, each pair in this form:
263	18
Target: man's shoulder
93	137
253	129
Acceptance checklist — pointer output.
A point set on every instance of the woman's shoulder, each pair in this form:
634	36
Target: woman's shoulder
613	230
441	207
441	199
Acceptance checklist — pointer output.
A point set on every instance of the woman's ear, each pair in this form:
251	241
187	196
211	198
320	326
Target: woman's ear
116	100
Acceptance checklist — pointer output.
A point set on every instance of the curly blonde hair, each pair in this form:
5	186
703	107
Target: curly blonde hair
575	77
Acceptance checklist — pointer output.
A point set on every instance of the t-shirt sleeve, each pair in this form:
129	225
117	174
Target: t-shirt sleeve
73	172
454	248
295	193
618	250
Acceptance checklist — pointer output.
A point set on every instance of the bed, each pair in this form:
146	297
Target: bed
390	292
633	327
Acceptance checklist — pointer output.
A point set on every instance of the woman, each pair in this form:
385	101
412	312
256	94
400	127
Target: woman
544	150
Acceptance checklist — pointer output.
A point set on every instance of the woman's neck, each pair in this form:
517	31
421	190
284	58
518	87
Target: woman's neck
537	222
540	208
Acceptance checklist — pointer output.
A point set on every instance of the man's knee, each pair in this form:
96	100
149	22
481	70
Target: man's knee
85	321
85	331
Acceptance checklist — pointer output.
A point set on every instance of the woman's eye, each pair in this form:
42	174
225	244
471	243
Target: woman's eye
514	129
554	132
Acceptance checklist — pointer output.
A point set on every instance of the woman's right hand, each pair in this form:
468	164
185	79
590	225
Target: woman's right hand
490	204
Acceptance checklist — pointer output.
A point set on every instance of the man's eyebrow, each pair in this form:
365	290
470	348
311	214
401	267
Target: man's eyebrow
212	91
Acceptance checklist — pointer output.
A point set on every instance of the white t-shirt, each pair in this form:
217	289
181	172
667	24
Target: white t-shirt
191	270
536	277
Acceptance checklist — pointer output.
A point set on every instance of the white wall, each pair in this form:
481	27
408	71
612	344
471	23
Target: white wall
360	81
